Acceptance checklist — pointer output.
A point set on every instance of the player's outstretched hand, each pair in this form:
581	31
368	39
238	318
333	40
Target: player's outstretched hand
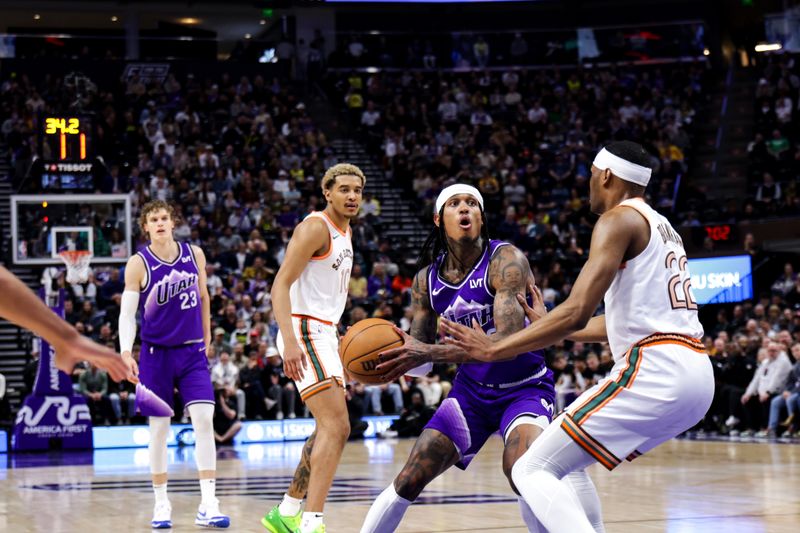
396	362
79	348
472	340
294	361
538	310
133	366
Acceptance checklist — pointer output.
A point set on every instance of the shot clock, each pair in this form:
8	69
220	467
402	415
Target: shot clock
67	161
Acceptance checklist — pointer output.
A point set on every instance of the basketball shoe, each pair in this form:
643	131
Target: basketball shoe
162	516
275	522
209	515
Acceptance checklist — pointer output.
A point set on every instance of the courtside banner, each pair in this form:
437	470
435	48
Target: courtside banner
717	280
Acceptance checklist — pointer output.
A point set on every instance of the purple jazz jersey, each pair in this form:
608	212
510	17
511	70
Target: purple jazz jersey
474	299
161	369
170	304
471	413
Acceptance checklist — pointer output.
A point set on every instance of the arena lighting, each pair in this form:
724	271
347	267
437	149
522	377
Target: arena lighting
247	36
768	47
706	52
262	22
37	16
189	21
114	18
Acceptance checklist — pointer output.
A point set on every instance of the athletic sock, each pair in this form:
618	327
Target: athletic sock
207	489
161	493
289	506
386	512
310	522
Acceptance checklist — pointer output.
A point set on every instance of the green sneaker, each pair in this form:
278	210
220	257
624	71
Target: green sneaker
275	522
320	529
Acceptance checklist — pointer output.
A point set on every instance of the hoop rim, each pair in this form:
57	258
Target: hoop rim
73	255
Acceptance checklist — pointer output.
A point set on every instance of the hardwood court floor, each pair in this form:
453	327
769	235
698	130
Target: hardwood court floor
683	486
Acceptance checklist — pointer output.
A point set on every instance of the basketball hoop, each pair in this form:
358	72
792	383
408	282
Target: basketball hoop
77	262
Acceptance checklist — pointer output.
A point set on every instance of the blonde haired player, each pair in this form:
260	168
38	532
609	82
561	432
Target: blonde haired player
166	281
662	382
308	297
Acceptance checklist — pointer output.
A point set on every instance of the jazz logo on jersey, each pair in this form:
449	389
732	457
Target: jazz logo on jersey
173	284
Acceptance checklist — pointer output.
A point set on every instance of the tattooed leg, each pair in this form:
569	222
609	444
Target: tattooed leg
333	428
517	443
433	453
299	485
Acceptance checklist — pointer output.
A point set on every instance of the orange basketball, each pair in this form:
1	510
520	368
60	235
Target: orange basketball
362	344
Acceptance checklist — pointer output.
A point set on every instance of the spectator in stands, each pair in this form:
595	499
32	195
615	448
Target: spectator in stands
279	388
226	419
257	403
784	284
93	384
378	394
225	375
788	399
768	381
5	409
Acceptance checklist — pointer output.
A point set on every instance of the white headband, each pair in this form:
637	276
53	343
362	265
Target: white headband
623	168
458	188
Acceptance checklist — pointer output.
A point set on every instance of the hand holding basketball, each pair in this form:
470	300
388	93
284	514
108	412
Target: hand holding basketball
396	362
362	346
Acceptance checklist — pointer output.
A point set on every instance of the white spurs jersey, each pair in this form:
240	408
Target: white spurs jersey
321	290
652	292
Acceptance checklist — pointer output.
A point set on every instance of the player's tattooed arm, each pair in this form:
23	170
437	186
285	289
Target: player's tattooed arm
423	325
509	272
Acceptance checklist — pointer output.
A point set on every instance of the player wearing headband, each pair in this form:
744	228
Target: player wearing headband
662	381
470	278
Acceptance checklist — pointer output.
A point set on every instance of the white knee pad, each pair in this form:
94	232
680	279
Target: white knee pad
157	448
205	451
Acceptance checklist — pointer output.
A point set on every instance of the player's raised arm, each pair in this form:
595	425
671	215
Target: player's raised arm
21	306
509	271
205	299
613	235
310	238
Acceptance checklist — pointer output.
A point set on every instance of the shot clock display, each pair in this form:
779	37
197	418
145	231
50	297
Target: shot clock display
66	152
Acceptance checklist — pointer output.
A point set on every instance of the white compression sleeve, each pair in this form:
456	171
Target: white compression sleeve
421	371
127	320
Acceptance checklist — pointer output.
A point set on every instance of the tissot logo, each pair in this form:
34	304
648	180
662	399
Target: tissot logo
71	167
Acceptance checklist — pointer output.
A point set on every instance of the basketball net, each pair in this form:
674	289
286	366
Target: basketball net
78	265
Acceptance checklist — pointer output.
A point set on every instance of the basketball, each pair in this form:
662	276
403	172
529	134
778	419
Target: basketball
362	344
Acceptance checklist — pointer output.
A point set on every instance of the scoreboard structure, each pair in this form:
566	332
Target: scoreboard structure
66	160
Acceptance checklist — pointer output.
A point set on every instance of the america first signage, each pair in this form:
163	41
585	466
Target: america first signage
53	415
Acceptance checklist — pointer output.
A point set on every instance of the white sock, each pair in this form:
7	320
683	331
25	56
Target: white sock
161	493
207	488
583	487
529	518
554	503
386	512
310	522
289	506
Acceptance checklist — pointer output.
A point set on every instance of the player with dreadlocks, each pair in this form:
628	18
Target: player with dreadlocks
468	278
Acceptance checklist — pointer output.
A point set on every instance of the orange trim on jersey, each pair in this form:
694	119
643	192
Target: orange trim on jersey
316	388
326	254
602	389
673	338
309	317
615	383
343	233
311	359
589	444
319	357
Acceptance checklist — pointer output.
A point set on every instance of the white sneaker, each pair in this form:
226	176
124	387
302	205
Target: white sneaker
162	516
279	416
731	421
209	515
